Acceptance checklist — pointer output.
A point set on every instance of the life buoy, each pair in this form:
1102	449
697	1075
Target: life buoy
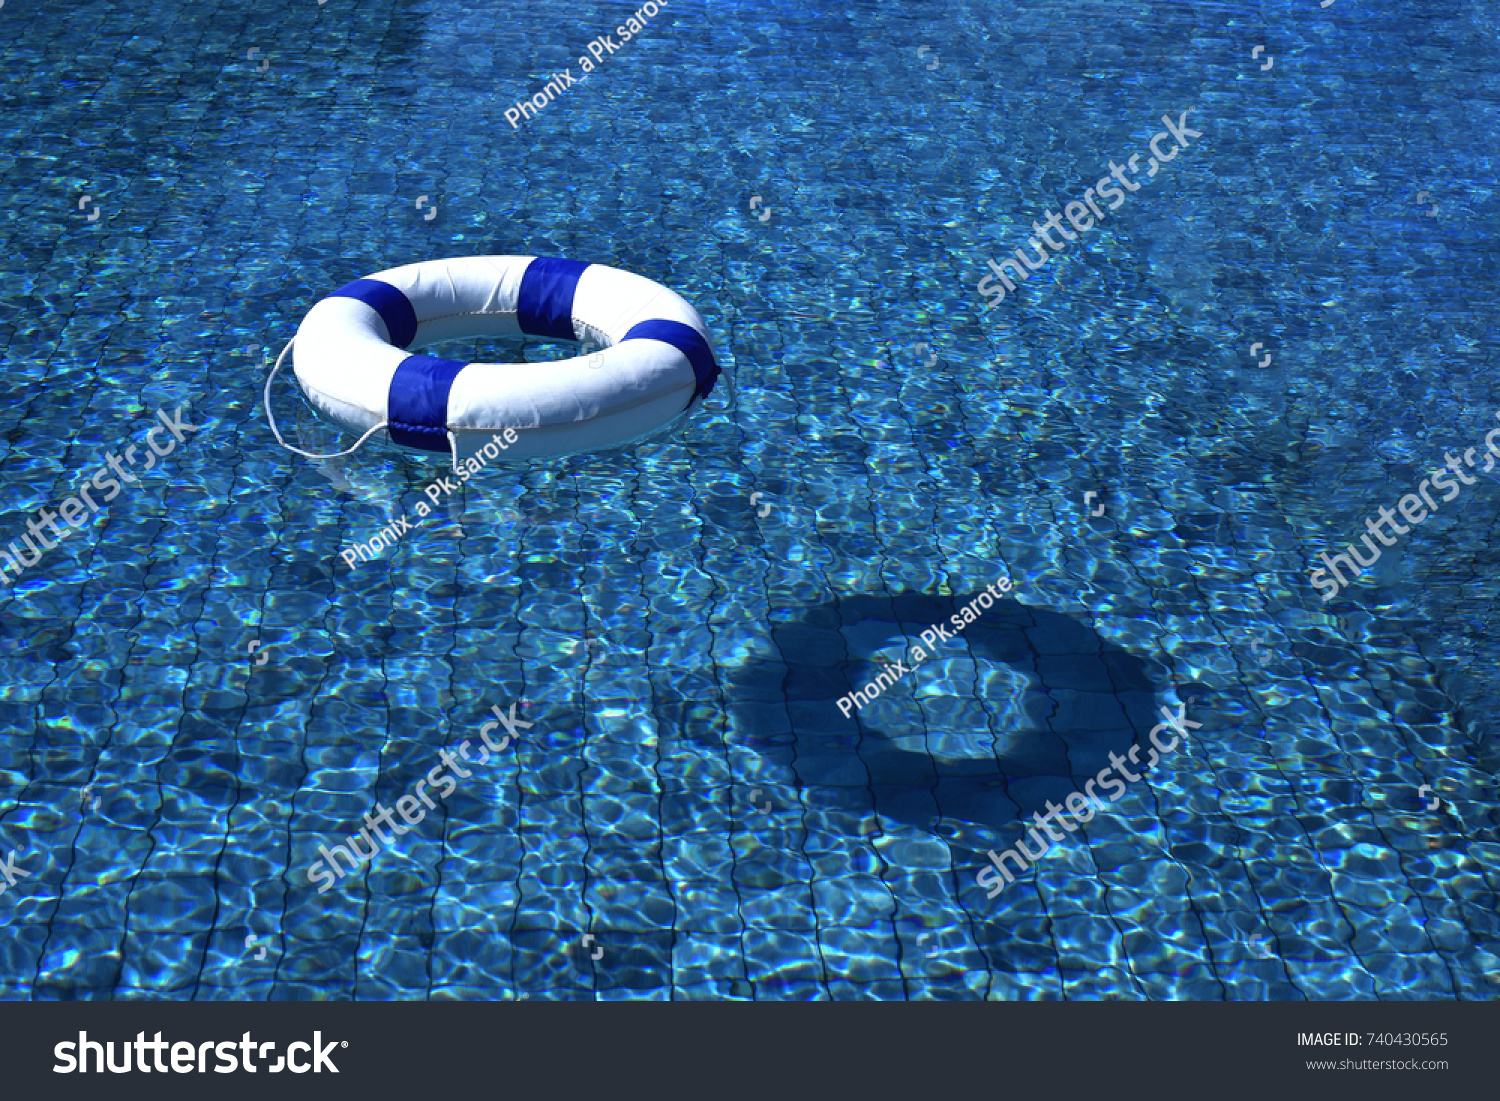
352	356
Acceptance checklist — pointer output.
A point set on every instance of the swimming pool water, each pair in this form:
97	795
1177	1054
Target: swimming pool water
196	692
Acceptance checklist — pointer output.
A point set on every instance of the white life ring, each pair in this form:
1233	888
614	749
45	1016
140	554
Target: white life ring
351	356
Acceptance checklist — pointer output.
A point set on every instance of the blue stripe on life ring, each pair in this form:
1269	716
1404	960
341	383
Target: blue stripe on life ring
417	402
687	340
545	304
394	308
